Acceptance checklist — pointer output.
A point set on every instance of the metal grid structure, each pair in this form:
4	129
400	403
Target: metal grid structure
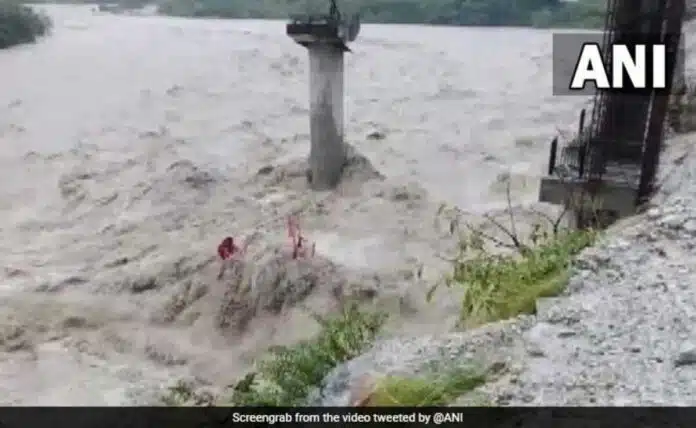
671	31
623	139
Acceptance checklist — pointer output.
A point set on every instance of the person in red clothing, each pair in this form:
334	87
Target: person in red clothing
226	250
299	243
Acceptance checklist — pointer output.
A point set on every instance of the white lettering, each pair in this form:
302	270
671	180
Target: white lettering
621	59
629	59
659	67
590	68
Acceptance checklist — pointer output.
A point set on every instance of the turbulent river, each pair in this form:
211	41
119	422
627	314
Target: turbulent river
131	145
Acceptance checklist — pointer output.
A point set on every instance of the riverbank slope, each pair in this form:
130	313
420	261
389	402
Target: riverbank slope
621	335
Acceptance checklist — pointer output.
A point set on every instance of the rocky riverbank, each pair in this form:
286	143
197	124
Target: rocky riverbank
621	335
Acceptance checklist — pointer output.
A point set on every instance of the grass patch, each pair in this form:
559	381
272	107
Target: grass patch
432	390
499	284
288	374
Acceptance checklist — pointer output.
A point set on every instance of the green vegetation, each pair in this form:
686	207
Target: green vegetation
437	389
523	13
288	375
20	24
543	13
500	285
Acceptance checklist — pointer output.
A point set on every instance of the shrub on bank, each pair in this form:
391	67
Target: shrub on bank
21	24
288	374
500	285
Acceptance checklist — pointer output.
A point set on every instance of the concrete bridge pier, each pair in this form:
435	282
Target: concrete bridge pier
325	37
327	154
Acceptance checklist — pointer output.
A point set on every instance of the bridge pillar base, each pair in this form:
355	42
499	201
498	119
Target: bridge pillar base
605	203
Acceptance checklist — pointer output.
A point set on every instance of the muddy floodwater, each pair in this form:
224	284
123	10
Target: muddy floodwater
132	145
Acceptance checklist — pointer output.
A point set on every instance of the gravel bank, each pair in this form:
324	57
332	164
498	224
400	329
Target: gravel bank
623	334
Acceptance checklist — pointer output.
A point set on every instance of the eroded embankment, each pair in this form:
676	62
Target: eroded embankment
621	335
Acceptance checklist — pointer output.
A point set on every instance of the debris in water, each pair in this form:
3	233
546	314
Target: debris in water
376	135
